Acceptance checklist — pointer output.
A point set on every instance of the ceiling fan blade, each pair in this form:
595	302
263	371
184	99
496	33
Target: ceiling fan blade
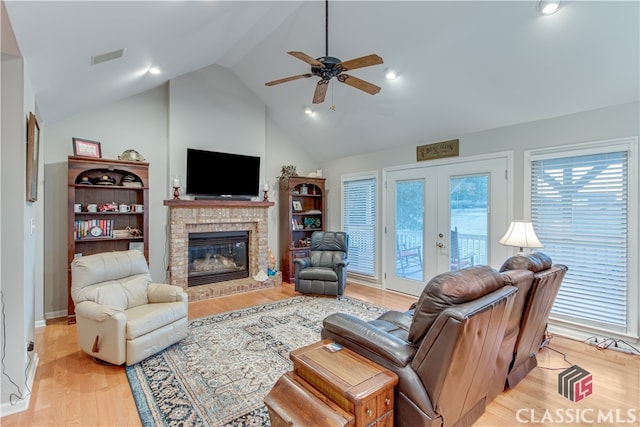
363	61
321	91
306	58
359	84
288	79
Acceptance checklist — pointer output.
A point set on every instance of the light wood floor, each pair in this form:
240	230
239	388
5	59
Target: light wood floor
71	390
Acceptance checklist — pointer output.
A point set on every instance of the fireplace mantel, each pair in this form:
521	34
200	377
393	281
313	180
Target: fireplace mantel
196	216
179	203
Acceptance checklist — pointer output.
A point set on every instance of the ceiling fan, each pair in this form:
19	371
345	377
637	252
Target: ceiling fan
328	67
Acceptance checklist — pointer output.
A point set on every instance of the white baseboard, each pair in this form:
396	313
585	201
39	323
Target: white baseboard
7	408
363	280
55	314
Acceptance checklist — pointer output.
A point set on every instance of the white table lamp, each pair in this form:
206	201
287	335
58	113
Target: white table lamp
521	234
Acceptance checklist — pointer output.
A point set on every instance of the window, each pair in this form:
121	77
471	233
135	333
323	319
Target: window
359	221
581	210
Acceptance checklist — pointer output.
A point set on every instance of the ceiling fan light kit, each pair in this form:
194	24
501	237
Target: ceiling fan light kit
327	67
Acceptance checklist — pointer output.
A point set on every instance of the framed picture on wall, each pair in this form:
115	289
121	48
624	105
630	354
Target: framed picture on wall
33	149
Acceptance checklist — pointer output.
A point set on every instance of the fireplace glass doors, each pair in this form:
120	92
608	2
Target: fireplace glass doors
218	257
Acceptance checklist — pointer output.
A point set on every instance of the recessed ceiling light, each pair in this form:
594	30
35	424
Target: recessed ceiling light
390	73
308	110
548	7
154	70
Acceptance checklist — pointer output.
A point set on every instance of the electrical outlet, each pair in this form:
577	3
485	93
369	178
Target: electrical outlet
30	346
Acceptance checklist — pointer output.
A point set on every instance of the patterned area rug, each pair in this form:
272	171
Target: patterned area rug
220	374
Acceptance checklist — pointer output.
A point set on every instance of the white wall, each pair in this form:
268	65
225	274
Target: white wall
211	109
207	109
139	123
20	250
606	123
12	214
281	150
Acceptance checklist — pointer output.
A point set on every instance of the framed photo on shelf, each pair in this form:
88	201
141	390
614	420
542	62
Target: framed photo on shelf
86	148
297	207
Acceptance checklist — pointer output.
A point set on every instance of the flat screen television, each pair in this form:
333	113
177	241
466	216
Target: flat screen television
211	174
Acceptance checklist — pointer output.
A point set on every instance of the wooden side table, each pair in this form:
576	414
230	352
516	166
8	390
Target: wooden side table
354	383
294	402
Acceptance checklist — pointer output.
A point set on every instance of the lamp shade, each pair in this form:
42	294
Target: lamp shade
522	235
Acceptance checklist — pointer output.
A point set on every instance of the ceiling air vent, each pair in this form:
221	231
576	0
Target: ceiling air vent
95	60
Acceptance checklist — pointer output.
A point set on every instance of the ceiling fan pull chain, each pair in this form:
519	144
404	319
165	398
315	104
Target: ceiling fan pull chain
333	106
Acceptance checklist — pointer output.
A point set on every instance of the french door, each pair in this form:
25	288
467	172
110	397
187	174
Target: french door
441	218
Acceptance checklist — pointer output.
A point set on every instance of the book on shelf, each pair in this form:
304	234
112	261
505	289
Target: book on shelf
82	227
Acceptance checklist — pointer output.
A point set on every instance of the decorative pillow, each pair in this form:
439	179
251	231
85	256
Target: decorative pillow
449	289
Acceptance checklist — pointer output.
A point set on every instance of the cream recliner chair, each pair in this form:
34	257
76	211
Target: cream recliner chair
121	316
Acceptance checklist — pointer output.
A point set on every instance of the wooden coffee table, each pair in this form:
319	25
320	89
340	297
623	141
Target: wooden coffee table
361	389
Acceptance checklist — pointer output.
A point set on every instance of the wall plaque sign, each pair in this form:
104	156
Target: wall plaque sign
438	150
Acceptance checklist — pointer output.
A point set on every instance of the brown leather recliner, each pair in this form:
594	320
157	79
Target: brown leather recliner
441	349
547	279
521	279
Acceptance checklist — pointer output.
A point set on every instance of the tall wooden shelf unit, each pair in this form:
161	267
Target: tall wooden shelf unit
81	172
296	226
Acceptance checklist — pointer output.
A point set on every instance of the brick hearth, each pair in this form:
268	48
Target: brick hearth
200	216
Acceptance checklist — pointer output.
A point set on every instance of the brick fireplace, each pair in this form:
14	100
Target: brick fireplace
210	216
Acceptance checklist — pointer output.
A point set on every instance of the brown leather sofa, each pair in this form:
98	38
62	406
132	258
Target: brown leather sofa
537	305
444	349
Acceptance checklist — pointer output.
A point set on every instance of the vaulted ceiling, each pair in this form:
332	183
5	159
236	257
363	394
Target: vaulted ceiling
464	66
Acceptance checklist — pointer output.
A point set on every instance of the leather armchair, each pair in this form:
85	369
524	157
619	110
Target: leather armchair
537	305
121	316
325	270
441	349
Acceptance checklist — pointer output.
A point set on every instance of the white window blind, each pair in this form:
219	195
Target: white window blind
359	221
579	208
